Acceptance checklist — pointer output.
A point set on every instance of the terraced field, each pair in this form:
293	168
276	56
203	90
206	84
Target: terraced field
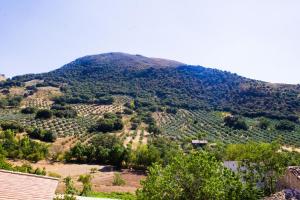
60	126
185	125
37	103
134	138
96	111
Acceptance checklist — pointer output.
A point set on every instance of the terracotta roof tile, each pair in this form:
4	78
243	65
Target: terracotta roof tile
21	186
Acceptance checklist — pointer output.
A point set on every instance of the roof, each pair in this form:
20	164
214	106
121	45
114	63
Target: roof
295	170
199	141
22	186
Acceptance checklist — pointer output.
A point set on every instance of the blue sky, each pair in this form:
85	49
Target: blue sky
254	38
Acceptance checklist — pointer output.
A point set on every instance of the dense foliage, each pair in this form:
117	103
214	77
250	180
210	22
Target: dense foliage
109	123
12	125
10	101
28	110
202	175
40	134
194	176
235	122
104	149
261	163
63	111
108	149
24	148
44	114
285	125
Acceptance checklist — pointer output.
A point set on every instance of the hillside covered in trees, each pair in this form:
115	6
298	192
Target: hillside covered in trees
158	83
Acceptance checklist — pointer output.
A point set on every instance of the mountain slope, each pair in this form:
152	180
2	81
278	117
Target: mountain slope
157	83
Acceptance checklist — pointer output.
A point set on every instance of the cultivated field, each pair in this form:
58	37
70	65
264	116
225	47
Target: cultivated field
185	125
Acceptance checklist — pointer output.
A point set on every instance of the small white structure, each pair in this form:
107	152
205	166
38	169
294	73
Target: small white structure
199	143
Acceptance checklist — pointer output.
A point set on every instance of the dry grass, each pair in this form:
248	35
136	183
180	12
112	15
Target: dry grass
33	82
102	178
17	91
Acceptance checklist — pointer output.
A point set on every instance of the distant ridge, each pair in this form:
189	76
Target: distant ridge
127	61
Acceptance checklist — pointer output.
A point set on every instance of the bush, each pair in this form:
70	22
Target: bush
235	122
44	114
118	180
54	175
14	126
87	185
14	101
103	149
28	110
285	125
153	128
44	135
63	111
109	123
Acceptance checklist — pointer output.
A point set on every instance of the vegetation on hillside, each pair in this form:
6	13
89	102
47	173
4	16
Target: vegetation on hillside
191	87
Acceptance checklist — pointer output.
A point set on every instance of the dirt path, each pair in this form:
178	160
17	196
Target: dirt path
291	149
145	139
128	138
136	140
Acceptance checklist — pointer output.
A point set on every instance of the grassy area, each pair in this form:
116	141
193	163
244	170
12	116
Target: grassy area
114	195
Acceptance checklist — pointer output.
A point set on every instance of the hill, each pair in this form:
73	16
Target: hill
159	83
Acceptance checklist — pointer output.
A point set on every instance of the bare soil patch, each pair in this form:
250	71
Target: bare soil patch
102	179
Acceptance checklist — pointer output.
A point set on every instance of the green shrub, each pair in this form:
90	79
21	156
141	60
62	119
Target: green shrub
11	125
44	135
285	125
110	122
235	122
28	110
54	175
43	114
118	180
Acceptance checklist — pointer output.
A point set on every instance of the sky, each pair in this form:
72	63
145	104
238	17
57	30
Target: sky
259	39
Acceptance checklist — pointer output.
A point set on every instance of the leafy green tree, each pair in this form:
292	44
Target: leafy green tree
110	122
28	110
235	122
70	189
194	176
144	156
44	114
87	184
42	134
260	163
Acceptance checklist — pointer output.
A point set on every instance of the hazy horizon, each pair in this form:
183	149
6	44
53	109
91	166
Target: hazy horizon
255	39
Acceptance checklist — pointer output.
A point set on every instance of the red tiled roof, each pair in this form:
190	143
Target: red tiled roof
21	186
